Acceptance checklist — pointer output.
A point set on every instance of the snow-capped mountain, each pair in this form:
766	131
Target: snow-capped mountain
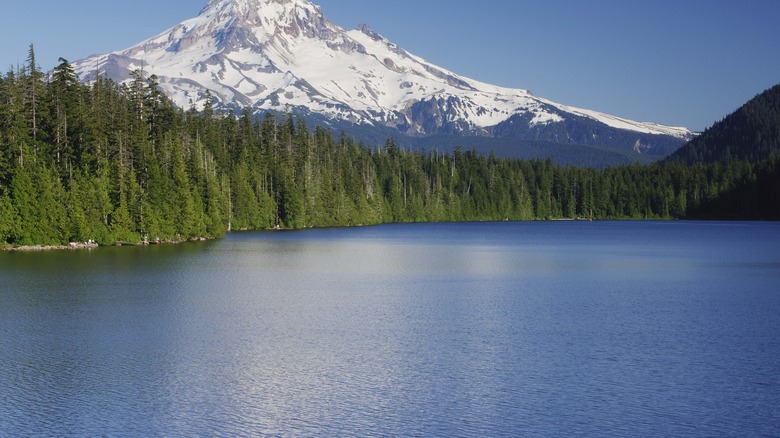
285	54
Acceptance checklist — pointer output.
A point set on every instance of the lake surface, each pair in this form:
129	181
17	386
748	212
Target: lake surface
486	329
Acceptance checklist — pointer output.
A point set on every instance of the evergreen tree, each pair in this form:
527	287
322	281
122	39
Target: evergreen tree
34	85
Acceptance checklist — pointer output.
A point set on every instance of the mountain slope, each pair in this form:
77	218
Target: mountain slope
751	133
286	55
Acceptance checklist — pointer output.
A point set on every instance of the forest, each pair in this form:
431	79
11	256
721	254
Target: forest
118	163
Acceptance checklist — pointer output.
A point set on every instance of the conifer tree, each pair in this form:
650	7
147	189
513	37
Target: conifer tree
34	86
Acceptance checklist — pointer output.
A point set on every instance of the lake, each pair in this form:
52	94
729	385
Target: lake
483	329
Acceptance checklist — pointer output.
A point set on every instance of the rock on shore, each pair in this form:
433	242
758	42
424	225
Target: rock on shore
70	246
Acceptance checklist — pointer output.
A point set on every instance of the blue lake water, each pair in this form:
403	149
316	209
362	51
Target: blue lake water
485	329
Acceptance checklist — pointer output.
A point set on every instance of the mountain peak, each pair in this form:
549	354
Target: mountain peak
271	10
253	4
280	54
256	21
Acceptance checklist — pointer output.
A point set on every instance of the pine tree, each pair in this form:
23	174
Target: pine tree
34	83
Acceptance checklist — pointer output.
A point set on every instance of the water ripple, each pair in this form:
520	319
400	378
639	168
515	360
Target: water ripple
426	330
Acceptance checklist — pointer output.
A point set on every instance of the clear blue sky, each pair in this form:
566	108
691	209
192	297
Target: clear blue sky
679	62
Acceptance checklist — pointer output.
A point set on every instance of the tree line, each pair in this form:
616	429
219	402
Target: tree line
119	163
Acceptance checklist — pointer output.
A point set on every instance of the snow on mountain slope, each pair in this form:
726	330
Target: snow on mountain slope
280	54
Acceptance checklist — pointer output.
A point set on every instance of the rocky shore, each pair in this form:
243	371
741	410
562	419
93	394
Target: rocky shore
93	245
36	248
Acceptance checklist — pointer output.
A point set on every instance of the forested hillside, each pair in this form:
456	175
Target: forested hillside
750	133
750	137
119	163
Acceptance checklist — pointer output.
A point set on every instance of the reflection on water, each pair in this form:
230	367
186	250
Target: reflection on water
625	328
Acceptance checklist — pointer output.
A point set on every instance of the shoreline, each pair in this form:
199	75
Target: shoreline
73	246
79	246
76	246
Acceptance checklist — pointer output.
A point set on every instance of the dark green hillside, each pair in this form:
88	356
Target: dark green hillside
748	142
751	133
